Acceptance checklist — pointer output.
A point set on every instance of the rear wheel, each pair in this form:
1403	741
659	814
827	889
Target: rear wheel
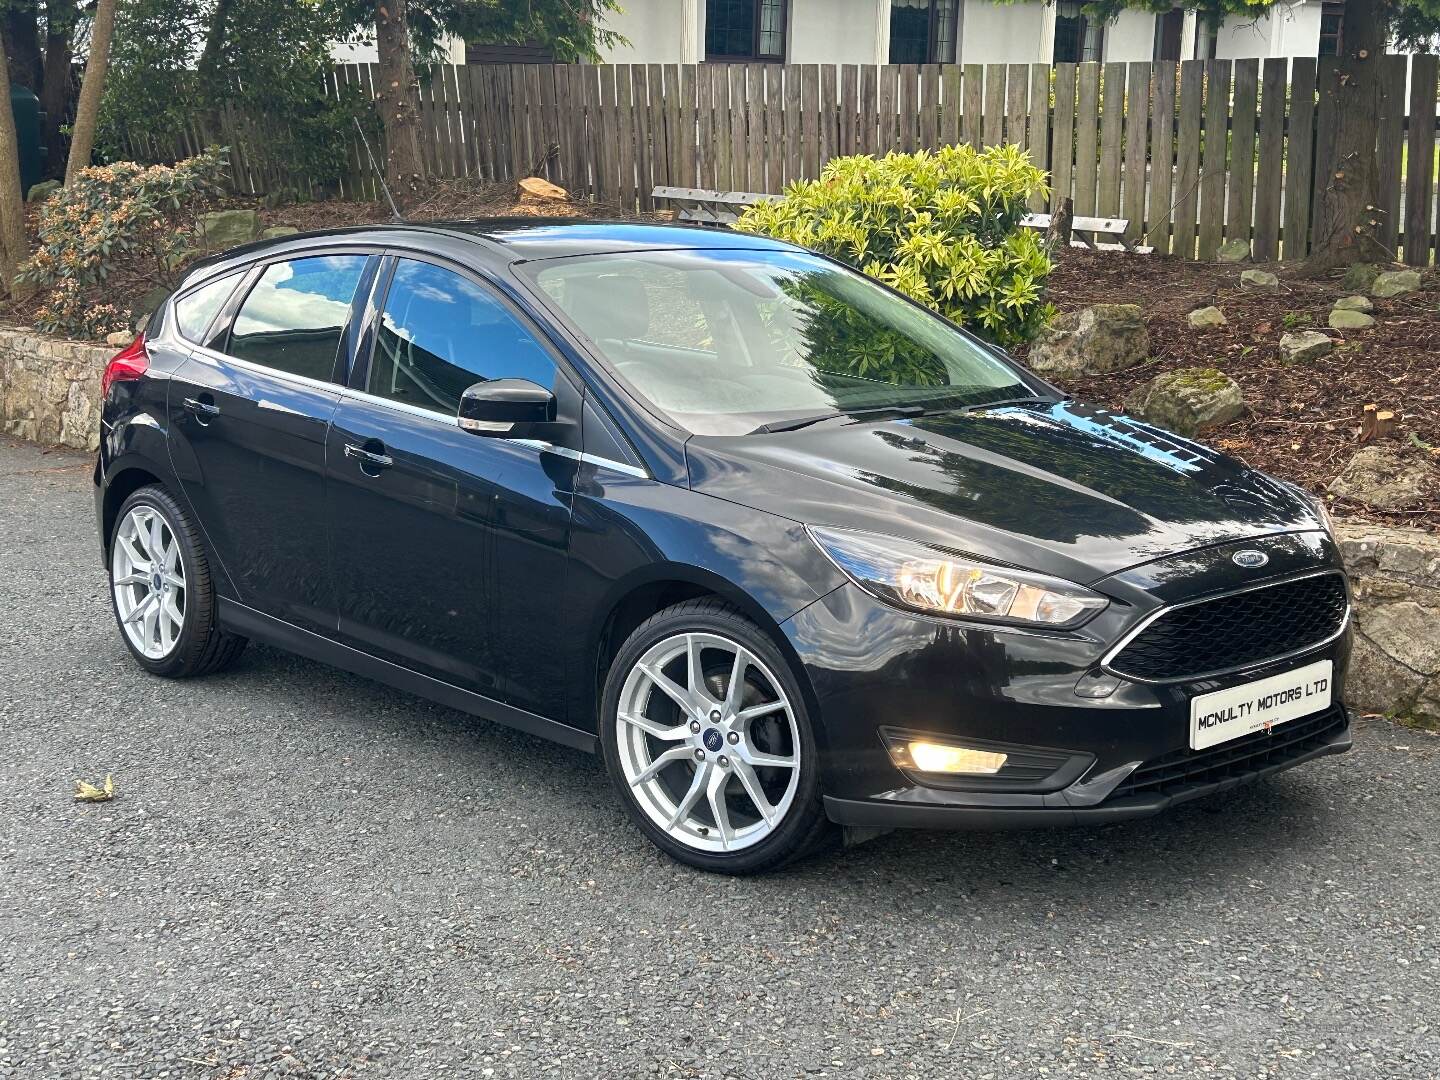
706	735
161	590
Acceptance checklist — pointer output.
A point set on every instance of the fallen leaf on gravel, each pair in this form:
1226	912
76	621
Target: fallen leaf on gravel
88	792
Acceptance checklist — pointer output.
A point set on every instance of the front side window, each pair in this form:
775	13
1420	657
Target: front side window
441	333
745	29
1079	38
725	342
197	309
294	318
923	31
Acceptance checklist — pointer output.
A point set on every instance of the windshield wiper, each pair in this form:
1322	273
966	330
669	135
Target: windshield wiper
887	412
1004	402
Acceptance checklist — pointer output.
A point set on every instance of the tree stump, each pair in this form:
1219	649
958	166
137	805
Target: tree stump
535	190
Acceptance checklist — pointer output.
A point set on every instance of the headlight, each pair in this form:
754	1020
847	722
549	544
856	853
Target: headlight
917	576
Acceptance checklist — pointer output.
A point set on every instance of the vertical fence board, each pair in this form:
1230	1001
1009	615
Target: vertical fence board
973	113
755	124
994	123
930	106
1420	164
1038	139
1017	97
1270	159
887	133
1240	190
868	116
739	152
1214	149
774	128
793	157
1062	147
810	104
950	97
1137	123
1087	138
607	181
1322	182
1390	142
1112	126
1187	158
1298	159
849	109
909	106
1162	156
829	112
625	78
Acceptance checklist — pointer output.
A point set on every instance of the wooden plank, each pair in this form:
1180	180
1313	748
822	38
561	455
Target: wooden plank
1137	144
1062	144
1419	170
829	112
607	183
973	110
739	152
1038	138
534	134
426	78
688	138
659	152
640	133
1215	147
515	120
810	103
930	106
720	112
994	124
793	159
1389	150
705	136
1017	100
755	125
550	120
1240	190
849	109
625	76
1327	85
1298	159
868	116
887	131
1187	158
1270	159
909	106
950	97
1087	138
1112	127
774	128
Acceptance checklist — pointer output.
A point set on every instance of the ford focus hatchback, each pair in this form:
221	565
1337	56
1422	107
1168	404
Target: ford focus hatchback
786	549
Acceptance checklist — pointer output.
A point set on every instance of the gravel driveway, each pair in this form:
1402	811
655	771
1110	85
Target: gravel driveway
308	874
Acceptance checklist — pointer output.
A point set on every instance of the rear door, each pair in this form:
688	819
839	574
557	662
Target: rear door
450	548
249	410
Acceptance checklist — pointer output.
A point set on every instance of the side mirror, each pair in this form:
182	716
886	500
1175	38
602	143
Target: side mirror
505	408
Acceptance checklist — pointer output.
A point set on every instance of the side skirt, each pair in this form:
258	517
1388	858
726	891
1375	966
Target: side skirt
256	624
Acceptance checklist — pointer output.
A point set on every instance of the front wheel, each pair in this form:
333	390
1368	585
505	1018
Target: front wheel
705	733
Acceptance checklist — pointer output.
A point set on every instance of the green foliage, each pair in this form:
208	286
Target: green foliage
574	30
125	210
943	228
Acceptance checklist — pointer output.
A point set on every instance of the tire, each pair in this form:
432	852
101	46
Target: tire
183	587
716	772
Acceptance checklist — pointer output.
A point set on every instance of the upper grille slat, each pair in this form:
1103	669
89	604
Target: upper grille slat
1235	631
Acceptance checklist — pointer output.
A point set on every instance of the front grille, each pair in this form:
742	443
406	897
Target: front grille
1236	631
1173	773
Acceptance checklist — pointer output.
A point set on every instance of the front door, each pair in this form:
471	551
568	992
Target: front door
248	421
448	547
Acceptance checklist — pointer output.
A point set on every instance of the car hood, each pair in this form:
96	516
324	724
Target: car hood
1061	487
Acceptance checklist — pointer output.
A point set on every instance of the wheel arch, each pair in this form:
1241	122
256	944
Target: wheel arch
119	486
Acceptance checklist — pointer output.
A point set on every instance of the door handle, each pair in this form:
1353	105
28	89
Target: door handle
202	408
368	457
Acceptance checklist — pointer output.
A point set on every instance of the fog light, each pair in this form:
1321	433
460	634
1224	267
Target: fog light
940	758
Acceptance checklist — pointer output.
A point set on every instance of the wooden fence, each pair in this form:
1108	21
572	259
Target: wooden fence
1194	154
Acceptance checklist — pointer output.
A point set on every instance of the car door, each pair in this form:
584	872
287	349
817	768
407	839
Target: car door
448	547
249	410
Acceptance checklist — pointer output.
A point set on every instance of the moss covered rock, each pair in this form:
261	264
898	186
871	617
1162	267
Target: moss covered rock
1098	339
1188	401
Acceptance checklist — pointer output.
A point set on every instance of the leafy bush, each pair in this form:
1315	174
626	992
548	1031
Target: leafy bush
943	228
144	214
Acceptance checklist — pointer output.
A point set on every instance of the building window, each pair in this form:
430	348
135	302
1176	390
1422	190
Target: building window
1332	22
924	31
1169	30
1079	38
745	29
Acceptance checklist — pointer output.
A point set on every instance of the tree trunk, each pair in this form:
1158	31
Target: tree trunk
87	112
398	98
14	248
1345	221
22	46
214	42
58	86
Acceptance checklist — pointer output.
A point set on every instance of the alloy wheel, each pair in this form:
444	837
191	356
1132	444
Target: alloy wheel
708	742
148	577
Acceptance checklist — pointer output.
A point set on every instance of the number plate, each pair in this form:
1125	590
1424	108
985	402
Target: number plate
1260	705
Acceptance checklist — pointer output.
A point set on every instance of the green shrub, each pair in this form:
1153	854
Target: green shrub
943	228
142	214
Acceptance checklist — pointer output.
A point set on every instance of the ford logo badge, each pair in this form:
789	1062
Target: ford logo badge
1250	559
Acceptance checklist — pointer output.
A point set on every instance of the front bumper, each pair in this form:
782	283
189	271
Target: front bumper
1094	756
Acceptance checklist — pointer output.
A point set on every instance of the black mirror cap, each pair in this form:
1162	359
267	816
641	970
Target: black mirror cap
505	408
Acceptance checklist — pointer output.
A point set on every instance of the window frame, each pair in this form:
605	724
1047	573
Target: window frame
224	321
932	32
1086	22
754	56
240	274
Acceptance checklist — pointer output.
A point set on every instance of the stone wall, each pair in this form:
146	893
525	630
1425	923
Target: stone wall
1395	578
50	389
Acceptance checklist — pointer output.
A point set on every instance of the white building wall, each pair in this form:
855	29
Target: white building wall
1287	30
656	30
1131	37
835	32
1004	33
452	51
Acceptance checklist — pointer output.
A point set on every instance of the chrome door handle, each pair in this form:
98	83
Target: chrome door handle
201	408
368	457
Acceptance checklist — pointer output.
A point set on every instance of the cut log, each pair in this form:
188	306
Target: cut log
1376	423
534	189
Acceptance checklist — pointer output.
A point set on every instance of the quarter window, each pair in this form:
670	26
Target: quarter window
295	316
195	311
441	333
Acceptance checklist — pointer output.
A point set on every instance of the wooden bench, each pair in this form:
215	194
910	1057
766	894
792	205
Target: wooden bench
721	209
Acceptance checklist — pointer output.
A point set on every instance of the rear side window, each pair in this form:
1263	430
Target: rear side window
295	316
441	333
197	309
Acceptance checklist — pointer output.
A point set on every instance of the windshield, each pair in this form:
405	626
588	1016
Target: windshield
726	342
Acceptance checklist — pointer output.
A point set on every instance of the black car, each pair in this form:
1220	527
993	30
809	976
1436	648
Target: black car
784	547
